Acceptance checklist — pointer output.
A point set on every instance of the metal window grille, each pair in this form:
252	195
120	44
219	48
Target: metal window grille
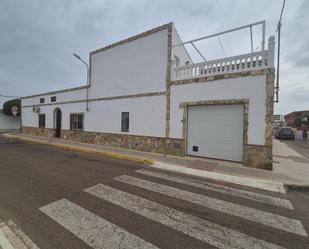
76	121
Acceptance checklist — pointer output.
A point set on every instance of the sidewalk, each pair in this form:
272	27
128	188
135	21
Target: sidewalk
290	168
289	165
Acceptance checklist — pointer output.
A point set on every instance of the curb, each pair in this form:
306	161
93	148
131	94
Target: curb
291	187
273	186
82	149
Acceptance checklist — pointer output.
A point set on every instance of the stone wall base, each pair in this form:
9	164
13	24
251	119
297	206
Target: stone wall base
255	156
258	156
44	132
162	145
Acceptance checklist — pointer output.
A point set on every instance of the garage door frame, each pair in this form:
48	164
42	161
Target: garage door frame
244	102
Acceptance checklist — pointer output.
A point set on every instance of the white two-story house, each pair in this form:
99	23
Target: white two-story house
145	93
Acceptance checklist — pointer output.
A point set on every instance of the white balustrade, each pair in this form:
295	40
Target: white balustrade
239	63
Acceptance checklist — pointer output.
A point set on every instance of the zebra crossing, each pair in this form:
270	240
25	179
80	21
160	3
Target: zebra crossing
92	229
12	237
97	232
265	218
279	202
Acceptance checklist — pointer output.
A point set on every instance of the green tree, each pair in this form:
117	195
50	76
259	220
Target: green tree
7	106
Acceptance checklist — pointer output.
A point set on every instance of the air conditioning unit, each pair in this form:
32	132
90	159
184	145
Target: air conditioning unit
36	109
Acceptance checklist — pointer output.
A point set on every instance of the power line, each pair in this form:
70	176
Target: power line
7	96
221	45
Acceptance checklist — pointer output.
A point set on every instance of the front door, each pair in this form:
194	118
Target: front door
58	123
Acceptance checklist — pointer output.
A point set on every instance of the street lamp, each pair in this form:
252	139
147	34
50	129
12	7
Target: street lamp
87	91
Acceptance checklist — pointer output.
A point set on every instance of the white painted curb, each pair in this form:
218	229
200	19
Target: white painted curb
245	181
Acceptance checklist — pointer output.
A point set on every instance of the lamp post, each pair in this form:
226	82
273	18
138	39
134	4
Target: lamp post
87	90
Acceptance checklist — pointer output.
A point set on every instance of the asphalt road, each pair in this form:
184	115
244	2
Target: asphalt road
300	145
62	200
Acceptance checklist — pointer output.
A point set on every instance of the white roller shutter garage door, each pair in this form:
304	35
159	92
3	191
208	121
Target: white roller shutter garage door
215	131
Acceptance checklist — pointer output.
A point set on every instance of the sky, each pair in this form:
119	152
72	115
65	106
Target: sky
38	38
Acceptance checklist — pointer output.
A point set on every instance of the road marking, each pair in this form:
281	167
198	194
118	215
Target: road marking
198	228
265	218
275	201
92	229
4	242
11	237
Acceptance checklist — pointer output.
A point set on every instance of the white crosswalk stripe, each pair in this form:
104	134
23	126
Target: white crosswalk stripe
11	237
4	242
251	214
92	229
198	228
275	201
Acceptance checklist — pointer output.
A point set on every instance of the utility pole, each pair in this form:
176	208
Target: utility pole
278	54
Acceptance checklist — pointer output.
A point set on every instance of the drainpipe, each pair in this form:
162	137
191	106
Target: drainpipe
87	90
20	118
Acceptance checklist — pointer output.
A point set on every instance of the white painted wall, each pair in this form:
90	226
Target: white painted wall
29	118
8	123
252	88
179	51
135	67
132	68
61	96
147	115
140	67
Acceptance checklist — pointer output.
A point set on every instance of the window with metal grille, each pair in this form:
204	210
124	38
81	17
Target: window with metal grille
124	121
53	99
42	120
42	100
77	121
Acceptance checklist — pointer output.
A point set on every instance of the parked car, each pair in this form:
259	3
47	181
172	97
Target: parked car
275	130
285	133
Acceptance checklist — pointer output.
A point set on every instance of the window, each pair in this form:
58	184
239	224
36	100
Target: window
76	121
124	121
41	120
53	99
42	100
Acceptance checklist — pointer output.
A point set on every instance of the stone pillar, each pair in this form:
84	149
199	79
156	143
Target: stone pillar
271	51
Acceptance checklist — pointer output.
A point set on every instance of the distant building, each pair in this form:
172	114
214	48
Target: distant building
9	123
277	118
290	118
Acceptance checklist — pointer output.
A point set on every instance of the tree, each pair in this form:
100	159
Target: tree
7	106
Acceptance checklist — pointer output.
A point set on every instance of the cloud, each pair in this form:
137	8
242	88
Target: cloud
295	36
292	99
37	38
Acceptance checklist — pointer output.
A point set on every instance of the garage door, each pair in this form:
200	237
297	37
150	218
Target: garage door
215	131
